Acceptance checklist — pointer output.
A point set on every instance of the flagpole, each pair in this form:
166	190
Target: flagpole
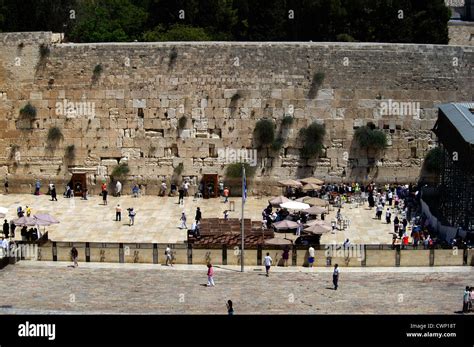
242	220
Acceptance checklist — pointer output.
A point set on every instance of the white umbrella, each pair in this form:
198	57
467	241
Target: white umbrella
3	212
294	205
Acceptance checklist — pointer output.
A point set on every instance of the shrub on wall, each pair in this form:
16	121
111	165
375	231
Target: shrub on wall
28	111
264	132
287	121
368	137
70	153
120	170
178	170
234	170
434	160
55	135
316	83
182	121
312	137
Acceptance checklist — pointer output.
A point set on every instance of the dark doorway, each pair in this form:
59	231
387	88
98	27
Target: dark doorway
79	183
211	186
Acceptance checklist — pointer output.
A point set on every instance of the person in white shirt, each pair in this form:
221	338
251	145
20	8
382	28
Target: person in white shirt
4	246
163	188
311	256
335	276
186	188
168	256
299	228
268	263
118	188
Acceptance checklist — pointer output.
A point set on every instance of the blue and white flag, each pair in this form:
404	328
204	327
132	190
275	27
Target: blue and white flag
244	185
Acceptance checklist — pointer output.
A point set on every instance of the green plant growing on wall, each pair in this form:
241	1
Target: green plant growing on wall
120	171
178	170
70	153
172	58
54	135
264	132
368	137
182	121
28	112
234	170
434	160
287	121
312	137
277	144
13	149
98	69
316	83
44	51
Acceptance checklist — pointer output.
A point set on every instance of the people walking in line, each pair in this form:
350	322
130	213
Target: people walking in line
335	276
210	275
168	256
74	256
118	213
183	221
310	256
230	308
268	263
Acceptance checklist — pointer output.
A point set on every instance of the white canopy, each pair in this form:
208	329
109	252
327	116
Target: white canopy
294	205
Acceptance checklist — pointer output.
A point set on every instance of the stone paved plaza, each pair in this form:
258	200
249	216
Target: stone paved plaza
157	218
47	287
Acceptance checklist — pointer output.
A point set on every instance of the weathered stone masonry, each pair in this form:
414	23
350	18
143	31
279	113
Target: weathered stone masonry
222	89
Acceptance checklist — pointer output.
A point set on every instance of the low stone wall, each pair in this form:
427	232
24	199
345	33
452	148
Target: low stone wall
298	256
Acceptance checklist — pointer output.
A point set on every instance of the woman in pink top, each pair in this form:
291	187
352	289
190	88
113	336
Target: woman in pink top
210	275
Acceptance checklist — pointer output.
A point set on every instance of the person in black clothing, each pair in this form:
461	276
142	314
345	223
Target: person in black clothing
53	193
6	229
198	215
181	195
12	229
24	233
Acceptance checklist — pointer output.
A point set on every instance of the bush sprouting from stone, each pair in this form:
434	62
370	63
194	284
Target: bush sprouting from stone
344	38
182	121
264	132
178	170
312	137
28	111
434	160
287	121
234	170
98	69
13	149
316	83
368	137
44	51
277	144
55	135
70	153
120	170
172	58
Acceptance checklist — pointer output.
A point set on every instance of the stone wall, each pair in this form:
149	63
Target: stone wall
129	109
461	33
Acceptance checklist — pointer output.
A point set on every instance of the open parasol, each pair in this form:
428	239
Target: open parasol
318	229
313	180
315	210
278	241
278	200
311	186
316	202
294	205
285	225
290	183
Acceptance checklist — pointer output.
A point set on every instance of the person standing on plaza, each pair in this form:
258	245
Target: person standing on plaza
53	193
221	187
186	188
28	211
118	213
226	194
118	189
131	216
465	300
6	229
163	188
230	308
168	256
12	229
390	198
198	215
210	275
311	256
335	276
104	196
286	256
183	221
181	196
268	263
74	255
388	216
37	187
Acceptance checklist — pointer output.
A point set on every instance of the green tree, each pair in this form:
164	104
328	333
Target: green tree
177	32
